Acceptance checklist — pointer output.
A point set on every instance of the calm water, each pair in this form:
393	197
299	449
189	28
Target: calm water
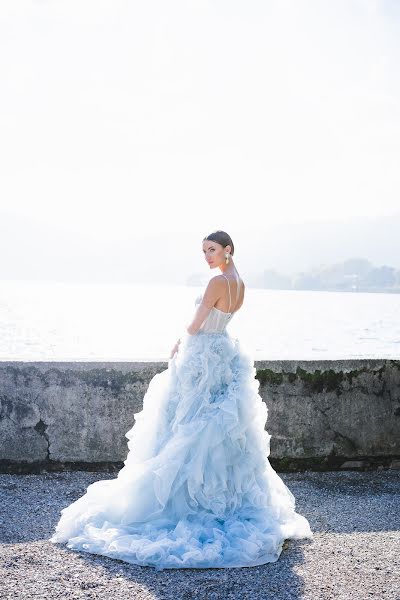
127	322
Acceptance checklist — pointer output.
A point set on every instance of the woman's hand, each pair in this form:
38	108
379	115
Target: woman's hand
175	348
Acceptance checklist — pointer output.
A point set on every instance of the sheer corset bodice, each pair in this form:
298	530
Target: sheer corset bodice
217	320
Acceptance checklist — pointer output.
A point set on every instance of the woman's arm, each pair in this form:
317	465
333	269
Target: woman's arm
200	316
213	292
175	348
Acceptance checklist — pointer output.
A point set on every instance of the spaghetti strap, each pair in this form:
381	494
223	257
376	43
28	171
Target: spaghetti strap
229	287
237	290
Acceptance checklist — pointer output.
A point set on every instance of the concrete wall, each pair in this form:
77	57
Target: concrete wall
59	415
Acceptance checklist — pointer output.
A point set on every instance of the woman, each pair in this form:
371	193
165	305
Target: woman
197	489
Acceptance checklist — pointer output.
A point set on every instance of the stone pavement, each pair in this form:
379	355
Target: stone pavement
355	553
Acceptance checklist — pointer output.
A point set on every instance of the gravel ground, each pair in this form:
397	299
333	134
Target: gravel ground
355	553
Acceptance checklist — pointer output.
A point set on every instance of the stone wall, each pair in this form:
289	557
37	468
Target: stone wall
321	414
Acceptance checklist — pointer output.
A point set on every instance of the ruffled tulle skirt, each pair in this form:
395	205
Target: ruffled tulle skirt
197	489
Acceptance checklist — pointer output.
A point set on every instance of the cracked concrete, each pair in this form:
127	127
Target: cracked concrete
352	445
57	415
41	427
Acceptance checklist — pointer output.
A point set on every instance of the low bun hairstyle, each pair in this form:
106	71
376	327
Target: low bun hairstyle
221	237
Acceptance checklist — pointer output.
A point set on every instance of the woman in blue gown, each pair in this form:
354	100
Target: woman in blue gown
197	489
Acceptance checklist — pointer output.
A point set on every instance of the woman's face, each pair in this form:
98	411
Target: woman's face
214	253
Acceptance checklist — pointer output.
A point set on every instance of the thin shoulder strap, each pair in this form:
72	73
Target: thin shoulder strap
229	288
238	290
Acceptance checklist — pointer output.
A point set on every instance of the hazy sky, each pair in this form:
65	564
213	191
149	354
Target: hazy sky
121	117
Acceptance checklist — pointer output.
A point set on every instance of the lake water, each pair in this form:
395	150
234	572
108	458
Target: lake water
134	322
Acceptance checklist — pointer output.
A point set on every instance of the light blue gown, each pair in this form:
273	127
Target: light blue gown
197	489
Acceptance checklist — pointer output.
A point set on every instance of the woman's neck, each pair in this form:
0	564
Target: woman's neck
229	269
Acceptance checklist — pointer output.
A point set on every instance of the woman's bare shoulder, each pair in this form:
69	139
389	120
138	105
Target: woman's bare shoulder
216	281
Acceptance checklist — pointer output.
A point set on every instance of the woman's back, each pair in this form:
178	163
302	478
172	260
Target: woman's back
218	318
234	296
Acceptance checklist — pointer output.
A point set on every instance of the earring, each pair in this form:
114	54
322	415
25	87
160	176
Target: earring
227	257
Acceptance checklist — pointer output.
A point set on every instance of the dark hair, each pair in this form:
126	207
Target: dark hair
221	237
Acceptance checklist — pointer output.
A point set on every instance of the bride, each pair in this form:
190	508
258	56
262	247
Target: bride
197	489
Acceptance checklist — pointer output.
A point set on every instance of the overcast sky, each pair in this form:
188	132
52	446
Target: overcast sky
123	117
